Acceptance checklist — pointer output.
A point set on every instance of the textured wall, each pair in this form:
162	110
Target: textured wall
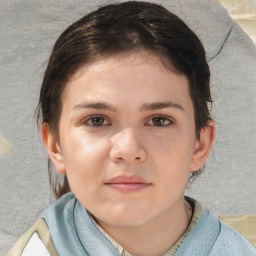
243	12
28	30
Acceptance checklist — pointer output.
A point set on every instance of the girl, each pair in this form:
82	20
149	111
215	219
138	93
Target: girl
124	112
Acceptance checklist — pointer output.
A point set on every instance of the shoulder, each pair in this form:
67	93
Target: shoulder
212	237
227	241
38	239
230	242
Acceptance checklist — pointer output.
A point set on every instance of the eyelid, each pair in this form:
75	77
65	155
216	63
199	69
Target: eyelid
170	119
88	118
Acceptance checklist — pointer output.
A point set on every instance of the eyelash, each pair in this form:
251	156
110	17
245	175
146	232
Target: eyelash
90	119
148	123
164	118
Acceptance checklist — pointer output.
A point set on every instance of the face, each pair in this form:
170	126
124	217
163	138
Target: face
127	139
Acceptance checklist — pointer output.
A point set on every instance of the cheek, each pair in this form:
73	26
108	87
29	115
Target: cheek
85	159
173	167
83	154
172	151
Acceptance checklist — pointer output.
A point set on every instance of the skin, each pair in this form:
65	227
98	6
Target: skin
132	136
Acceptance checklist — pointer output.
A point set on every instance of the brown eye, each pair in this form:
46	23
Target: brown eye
96	121
160	121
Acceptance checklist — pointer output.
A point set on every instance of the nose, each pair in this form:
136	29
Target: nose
126	147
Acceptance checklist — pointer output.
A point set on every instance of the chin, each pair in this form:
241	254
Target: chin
127	222
126	218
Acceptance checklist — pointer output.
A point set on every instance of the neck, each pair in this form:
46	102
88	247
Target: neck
155	237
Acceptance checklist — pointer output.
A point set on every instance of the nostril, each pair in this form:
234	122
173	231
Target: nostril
139	159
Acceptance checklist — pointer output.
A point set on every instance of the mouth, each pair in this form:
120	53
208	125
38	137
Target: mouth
127	184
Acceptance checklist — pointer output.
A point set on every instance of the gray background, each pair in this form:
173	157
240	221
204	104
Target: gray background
28	30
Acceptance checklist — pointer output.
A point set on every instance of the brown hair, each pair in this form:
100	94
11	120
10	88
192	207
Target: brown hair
119	28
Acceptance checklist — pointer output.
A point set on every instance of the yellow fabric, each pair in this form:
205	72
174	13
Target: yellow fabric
244	224
41	228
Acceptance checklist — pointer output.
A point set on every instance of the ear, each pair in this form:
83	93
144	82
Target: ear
53	148
203	147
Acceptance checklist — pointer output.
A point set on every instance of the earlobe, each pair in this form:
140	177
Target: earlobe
53	148
203	146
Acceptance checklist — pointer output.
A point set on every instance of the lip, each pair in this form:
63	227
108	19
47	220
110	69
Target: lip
128	184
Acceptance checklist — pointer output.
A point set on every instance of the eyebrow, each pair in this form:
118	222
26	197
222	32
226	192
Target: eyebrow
161	105
144	107
96	105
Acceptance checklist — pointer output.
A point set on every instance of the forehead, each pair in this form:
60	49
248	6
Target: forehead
129	59
126	75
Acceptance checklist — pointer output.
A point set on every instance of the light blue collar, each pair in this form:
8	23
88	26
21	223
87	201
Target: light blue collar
73	232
